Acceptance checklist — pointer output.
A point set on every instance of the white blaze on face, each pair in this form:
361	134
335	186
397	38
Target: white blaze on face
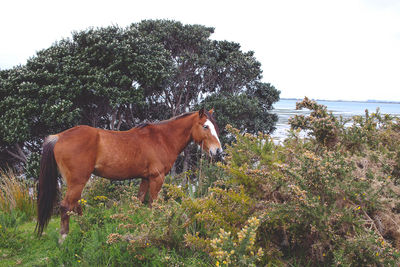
213	131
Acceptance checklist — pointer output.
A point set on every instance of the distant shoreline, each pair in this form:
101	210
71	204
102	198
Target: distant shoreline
356	101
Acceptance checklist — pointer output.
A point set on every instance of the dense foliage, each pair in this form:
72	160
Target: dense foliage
114	78
305	202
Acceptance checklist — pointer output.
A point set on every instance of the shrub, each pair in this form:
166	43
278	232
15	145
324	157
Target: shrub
321	124
103	190
316	203
240	250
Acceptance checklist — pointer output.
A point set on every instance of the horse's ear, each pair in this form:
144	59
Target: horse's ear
211	111
202	112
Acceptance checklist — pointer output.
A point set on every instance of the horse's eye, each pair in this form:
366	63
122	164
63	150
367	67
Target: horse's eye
205	126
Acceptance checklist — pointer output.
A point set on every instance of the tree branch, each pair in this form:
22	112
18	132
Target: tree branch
20	157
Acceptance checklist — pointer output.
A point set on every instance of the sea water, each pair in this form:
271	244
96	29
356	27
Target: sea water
286	108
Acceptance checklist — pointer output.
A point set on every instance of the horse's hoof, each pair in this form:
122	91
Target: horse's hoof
62	238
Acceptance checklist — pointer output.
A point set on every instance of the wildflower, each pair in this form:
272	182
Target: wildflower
217	263
101	198
82	201
377	254
79	260
224	262
0	226
260	252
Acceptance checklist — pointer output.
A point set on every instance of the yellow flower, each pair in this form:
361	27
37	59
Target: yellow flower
377	254
217	263
79	260
224	262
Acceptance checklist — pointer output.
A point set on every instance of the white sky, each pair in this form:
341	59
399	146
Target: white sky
337	49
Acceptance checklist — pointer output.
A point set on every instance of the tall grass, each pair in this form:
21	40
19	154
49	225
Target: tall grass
16	194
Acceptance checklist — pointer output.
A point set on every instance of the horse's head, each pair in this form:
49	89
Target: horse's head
205	133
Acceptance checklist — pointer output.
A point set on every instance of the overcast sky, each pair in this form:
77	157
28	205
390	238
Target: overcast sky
337	49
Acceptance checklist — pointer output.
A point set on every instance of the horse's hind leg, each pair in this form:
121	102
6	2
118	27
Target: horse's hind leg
70	203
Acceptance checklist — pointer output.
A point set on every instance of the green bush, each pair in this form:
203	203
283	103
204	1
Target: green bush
107	191
320	200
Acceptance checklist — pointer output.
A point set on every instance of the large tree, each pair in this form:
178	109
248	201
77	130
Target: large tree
213	73
94	78
248	111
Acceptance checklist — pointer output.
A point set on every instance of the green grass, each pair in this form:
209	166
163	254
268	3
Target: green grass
23	248
86	244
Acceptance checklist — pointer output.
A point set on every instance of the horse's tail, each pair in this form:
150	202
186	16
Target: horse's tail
48	188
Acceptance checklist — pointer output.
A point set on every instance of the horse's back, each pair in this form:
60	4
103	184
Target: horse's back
77	139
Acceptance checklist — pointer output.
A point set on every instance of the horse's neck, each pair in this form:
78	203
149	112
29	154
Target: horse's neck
179	134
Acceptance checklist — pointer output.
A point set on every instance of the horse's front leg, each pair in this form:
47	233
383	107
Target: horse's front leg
155	184
143	188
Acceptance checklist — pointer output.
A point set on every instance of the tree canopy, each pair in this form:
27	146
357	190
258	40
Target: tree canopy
116	77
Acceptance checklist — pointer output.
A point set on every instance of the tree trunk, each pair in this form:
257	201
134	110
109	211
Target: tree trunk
173	171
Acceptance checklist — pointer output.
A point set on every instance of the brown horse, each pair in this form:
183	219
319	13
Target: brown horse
147	151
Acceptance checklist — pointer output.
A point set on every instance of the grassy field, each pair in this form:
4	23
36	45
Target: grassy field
25	249
89	242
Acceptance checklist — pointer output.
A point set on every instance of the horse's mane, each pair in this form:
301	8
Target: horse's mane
209	116
145	124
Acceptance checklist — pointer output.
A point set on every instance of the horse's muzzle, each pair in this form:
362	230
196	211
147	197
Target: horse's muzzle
218	154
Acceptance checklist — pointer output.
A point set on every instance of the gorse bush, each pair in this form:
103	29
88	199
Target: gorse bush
323	126
240	251
319	200
113	191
